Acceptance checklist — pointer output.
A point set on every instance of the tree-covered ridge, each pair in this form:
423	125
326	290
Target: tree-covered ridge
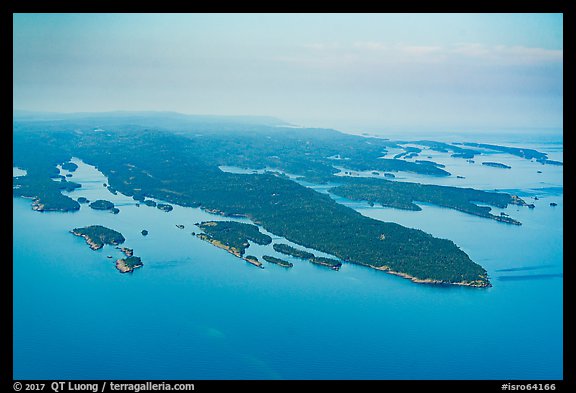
496	165
403	195
277	261
292	251
97	235
234	235
323	261
528	154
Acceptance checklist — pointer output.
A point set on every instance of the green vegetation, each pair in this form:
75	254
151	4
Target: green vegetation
289	250
82	200
96	236
496	165
329	262
182	168
128	264
402	195
233	235
164	206
144	232
277	261
101	204
323	261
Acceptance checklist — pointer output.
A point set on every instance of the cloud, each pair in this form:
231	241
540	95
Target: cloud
507	54
381	52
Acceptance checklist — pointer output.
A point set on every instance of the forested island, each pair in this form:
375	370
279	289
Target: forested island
277	261
97	235
402	195
496	165
323	261
128	264
176	159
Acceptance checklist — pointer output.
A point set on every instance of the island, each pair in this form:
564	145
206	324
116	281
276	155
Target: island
102	204
96	236
144	232
529	154
553	204
254	261
82	200
322	261
277	261
149	202
179	226
402	195
292	251
128	264
164	207
496	165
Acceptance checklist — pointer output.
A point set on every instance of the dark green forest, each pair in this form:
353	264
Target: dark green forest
177	161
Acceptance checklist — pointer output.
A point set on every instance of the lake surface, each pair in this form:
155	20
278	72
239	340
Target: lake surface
194	311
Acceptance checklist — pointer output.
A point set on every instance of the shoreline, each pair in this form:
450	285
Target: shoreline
429	280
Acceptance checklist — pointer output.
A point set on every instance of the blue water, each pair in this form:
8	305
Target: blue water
196	312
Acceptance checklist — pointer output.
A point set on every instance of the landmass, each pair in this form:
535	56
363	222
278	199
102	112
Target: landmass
277	261
323	261
144	232
180	167
232	236
254	261
496	165
102	204
128	264
403	195
96	236
165	207
529	154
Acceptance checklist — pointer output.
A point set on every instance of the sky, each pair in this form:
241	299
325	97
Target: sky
351	72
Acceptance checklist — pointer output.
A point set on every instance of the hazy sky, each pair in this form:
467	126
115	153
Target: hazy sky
347	71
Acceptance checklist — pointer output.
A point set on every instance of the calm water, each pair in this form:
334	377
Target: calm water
196	312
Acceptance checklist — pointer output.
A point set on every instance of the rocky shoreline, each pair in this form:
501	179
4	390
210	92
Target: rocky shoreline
474	284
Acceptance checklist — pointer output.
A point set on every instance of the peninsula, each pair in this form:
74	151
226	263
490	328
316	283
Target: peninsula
233	237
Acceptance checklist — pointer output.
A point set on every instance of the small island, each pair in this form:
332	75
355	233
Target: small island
149	202
144	232
322	261
277	261
102	204
553	204
128	264
82	200
164	206
496	165
253	260
96	236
